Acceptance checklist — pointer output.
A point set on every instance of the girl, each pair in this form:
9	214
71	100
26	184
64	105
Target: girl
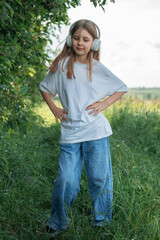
82	83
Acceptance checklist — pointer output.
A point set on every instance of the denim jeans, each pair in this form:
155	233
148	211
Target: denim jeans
97	160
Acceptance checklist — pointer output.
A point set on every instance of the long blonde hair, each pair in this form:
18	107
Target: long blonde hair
68	51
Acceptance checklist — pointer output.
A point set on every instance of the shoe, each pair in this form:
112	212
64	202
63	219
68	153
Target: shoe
52	231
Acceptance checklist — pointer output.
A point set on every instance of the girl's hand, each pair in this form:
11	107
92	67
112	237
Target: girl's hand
96	107
100	106
59	113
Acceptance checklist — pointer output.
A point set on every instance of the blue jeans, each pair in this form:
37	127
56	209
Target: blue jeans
98	167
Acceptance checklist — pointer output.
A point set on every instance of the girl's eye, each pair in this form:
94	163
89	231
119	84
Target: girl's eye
76	38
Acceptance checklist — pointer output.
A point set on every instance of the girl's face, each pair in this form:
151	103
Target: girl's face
81	43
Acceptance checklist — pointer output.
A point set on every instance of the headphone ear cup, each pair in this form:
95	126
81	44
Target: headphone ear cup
96	44
69	41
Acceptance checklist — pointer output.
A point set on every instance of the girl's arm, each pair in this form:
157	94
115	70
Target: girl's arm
58	112
100	106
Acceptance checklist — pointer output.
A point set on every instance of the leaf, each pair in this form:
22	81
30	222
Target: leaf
50	41
10	9
23	90
17	106
94	3
19	1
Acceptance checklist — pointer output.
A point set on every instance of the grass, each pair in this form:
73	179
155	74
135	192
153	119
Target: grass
29	165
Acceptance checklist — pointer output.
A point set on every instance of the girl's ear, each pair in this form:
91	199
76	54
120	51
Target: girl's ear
69	41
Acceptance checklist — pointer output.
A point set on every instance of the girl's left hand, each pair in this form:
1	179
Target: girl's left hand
100	106
96	107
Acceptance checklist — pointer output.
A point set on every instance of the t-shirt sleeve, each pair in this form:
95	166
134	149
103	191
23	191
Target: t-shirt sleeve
49	84
115	84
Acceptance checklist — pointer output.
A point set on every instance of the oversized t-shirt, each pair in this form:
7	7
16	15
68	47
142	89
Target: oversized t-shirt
76	94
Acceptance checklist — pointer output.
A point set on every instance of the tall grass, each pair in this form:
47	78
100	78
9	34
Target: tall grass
29	165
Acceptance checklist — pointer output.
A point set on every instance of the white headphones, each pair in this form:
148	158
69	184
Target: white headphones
96	43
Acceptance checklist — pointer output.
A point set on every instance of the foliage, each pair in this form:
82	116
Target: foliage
101	3
29	164
25	30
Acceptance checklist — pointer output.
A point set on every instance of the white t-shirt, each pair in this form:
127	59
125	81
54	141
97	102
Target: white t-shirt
76	94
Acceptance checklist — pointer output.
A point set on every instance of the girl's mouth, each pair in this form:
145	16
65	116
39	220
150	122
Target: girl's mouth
79	49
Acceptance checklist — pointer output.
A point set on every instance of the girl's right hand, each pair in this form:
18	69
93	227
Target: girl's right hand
59	113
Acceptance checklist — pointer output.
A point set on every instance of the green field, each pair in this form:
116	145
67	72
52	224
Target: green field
144	93
29	165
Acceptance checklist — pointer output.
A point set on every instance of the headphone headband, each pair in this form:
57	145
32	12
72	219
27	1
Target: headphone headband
96	42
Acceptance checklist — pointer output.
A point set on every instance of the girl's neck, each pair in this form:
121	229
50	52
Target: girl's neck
81	59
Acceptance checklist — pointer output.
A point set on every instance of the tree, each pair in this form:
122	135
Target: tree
24	32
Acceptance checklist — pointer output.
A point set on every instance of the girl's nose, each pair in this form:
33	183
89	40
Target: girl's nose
80	42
